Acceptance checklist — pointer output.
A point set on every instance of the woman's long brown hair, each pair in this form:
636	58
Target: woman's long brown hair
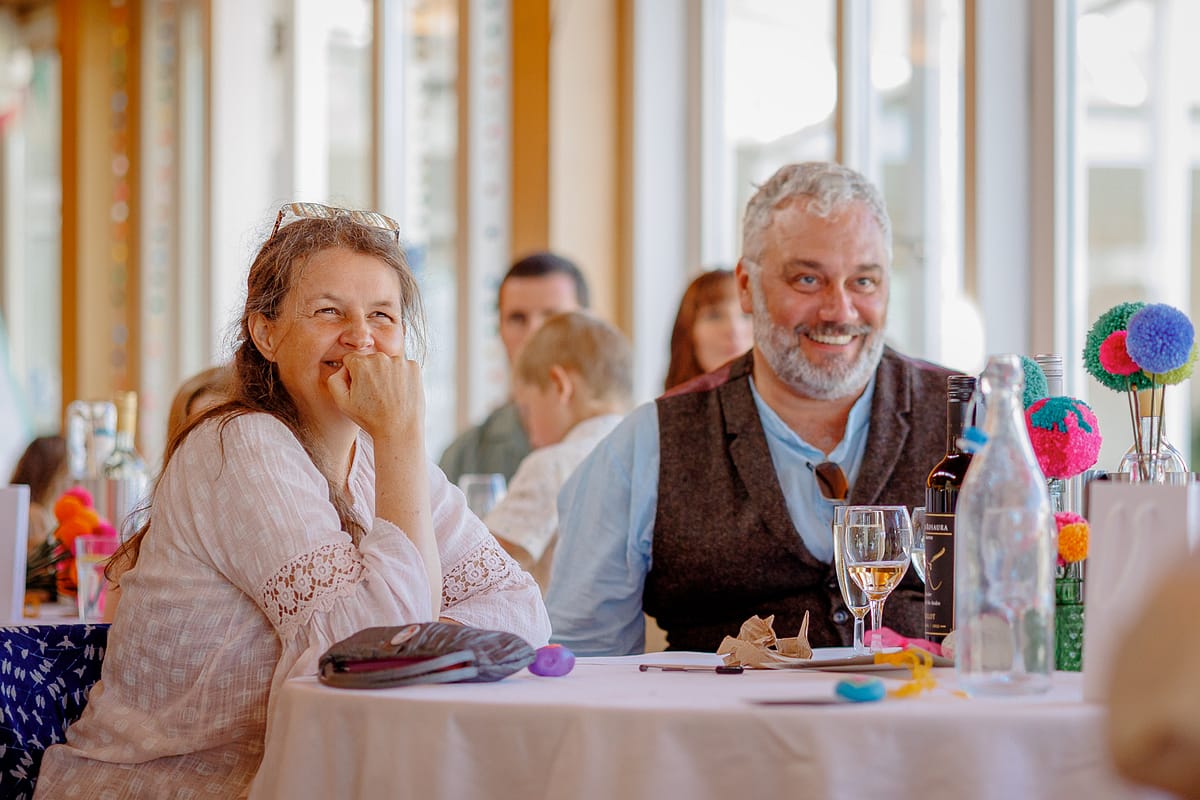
255	386
708	289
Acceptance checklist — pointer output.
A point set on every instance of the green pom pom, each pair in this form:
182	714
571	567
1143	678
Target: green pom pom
1036	386
1179	374
1115	319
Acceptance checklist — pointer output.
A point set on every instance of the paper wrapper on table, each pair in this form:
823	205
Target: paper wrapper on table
1139	531
14	533
757	646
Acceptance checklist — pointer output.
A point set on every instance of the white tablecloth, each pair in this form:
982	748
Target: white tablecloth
610	731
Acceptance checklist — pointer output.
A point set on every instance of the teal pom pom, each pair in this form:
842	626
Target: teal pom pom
1053	415
1115	319
1036	386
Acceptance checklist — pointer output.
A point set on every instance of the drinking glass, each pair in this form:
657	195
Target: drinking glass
91	556
877	541
917	554
482	491
852	593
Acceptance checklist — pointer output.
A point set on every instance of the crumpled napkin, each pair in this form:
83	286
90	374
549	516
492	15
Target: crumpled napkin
757	646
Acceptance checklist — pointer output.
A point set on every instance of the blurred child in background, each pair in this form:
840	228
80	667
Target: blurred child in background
573	382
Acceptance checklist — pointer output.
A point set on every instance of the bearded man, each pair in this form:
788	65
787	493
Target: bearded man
715	502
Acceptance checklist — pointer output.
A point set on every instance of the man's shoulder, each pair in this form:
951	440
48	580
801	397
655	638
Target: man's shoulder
498	441
502	420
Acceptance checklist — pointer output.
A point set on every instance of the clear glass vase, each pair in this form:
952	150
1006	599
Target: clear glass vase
1156	458
1069	618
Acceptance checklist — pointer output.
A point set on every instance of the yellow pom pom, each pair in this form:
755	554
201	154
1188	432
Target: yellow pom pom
1073	542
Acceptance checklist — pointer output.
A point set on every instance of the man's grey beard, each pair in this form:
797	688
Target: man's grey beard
781	348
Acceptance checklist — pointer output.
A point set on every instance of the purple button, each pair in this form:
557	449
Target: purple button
552	661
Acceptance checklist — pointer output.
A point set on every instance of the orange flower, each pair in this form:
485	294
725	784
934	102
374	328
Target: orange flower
1073	541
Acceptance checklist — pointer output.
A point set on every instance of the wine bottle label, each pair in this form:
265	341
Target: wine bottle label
939	575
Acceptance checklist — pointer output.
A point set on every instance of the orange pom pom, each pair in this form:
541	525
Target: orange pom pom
1073	542
78	525
67	506
88	518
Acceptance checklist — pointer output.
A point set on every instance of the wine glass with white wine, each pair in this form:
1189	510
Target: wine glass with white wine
876	545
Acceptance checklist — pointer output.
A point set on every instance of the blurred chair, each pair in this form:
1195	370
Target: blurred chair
46	672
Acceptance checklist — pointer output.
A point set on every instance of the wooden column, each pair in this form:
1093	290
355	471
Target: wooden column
530	208
100	111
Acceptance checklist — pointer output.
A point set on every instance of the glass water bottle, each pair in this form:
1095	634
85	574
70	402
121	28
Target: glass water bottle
1005	552
126	477
1052	367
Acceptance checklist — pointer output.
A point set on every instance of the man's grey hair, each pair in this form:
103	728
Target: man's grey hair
829	188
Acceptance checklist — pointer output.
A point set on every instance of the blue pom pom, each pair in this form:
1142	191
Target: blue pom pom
1160	338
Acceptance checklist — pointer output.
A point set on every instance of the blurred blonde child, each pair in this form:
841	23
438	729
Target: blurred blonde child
572	382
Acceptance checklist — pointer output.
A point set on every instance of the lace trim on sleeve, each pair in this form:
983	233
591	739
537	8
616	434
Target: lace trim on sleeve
484	568
309	582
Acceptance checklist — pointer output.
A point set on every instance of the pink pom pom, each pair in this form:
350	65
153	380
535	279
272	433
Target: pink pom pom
1114	357
1061	439
83	494
106	530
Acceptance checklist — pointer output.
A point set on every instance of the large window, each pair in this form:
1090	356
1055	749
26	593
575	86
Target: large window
428	149
913	149
778	90
30	225
1139	166
778	98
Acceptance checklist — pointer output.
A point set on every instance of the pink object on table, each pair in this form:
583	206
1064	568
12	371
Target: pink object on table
892	639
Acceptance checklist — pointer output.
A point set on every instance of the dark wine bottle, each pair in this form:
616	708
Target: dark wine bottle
941	496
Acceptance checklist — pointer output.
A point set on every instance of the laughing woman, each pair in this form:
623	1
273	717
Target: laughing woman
302	509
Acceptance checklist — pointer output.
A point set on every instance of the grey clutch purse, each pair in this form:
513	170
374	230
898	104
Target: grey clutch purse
423	652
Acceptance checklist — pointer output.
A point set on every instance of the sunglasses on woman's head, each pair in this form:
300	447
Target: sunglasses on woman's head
371	219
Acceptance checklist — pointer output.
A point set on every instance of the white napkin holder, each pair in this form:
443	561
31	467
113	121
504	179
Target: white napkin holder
14	538
1139	532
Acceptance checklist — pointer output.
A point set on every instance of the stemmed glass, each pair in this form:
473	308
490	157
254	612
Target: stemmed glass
852	594
917	554
877	541
483	491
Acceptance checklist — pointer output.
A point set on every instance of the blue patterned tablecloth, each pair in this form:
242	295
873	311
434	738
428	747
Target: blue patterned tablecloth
46	672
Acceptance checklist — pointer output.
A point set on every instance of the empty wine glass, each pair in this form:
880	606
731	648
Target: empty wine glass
877	541
852	594
917	554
